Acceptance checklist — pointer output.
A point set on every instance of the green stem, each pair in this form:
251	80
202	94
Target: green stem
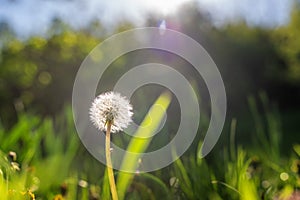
110	172
226	185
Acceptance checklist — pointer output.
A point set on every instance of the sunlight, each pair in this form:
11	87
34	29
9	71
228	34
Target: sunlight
163	6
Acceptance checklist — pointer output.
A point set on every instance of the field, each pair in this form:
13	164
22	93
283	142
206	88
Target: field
186	66
44	159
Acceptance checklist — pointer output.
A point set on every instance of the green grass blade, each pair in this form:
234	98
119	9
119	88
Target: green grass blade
182	174
105	193
138	144
158	182
232	139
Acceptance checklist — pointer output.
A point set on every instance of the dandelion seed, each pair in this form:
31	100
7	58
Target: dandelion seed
113	108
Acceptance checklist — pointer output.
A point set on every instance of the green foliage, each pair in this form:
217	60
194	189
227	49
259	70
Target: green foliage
45	152
38	74
288	44
50	164
252	173
37	71
34	72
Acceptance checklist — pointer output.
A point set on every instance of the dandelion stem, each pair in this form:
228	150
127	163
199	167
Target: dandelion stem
110	172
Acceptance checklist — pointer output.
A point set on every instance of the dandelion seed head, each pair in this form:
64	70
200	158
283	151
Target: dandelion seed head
111	107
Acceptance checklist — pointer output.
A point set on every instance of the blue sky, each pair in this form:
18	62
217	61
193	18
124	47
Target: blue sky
28	17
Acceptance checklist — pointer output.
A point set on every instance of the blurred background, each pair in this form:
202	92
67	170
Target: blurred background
256	46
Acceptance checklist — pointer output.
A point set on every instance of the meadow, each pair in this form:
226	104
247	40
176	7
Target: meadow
256	157
44	159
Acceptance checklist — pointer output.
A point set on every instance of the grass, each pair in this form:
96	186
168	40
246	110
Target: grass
141	141
51	163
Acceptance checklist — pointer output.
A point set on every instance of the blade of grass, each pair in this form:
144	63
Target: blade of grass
226	185
153	180
261	137
182	173
139	143
232	139
105	193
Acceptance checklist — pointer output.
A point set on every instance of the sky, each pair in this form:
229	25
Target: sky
28	17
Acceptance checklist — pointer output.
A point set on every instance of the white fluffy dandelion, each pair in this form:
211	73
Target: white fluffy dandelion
111	107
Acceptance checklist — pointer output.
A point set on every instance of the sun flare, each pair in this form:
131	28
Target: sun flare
164	6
